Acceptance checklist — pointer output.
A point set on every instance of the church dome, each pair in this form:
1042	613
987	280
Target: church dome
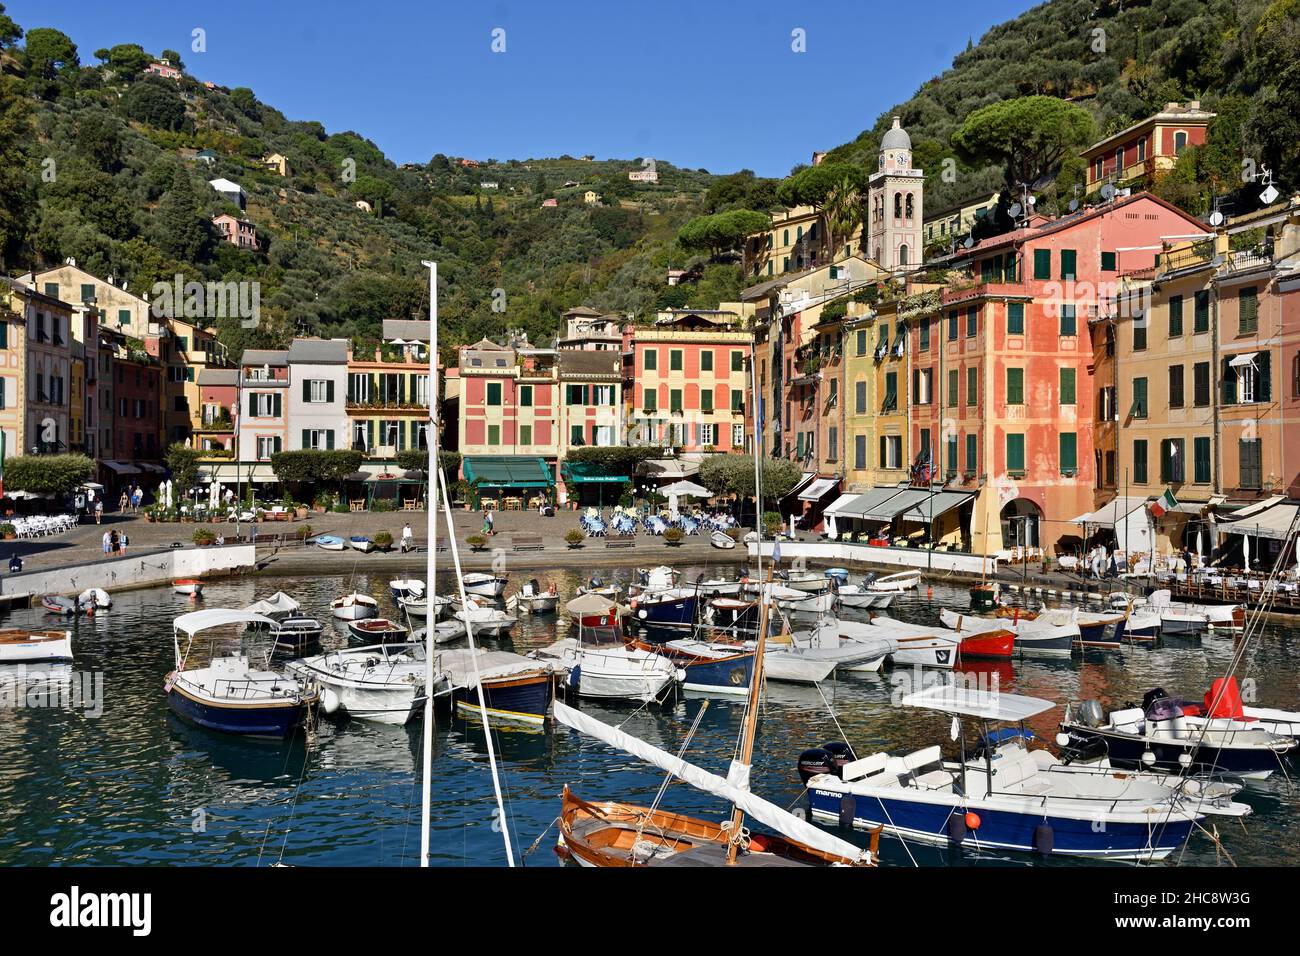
896	137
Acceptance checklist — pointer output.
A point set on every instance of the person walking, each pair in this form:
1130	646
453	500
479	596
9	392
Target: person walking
106	543
124	502
99	511
122	541
488	523
114	542
408	538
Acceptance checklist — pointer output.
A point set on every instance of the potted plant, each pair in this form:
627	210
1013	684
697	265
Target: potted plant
204	537
9	531
304	531
476	542
673	536
574	538
772	522
383	540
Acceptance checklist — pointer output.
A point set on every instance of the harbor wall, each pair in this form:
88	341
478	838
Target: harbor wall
831	553
135	571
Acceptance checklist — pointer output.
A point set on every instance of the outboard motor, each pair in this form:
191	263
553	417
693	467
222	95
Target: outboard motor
869	578
1151	696
816	760
595	583
841	752
1090	714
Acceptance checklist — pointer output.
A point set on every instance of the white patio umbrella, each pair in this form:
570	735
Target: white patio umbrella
686	488
1245	551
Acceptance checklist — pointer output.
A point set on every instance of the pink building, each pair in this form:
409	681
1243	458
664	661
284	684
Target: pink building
237	232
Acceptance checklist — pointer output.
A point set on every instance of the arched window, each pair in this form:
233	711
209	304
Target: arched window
902	254
898	205
909	206
1119	159
798	234
785	237
1180	141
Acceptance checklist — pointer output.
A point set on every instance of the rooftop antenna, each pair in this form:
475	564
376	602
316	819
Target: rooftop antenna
1270	193
1074	203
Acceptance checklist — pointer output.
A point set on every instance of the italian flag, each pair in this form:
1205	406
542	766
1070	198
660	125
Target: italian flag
1166	502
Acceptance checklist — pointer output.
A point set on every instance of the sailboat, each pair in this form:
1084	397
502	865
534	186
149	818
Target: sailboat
616	834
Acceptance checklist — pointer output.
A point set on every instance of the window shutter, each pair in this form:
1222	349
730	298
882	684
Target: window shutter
329	390
370	433
329	439
278	444
1229	380
306	390
1165	462
278	405
252	405
306	438
1264	386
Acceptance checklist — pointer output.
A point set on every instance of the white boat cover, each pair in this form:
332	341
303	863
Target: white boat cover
197	621
459	665
770	814
960	699
277	603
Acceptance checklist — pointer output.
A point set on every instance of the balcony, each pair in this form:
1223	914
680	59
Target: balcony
384	405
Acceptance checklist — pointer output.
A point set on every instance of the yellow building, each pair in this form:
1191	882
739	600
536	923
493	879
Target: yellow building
13	369
122	311
956	221
859	399
277	163
891	361
795	241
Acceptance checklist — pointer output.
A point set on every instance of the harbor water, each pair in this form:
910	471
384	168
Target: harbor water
117	779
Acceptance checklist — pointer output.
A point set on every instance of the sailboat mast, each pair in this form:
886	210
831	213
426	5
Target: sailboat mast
756	681
430	591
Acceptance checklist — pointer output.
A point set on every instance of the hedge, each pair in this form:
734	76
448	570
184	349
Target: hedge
310	466
47	474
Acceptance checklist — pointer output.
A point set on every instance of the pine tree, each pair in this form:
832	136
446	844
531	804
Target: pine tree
16	192
182	228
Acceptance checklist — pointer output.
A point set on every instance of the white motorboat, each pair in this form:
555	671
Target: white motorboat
1049	634
720	539
718	587
354	607
191	587
862	597
444	632
330	542
1015	803
601	666
486	620
33	647
406	588
793	599
419	606
360	542
231	694
902	581
484	585
96	598
278	605
657	578
531	599
382	683
1186	618
921	647
824	642
810	581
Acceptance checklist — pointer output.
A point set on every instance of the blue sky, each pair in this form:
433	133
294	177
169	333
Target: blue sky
712	85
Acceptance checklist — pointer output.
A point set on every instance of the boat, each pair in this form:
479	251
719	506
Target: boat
34	647
1182	619
863	597
1222	702
919	645
419	606
666	608
359	542
58	604
377	630
354	607
531	599
616	834
277	606
902	581
709	588
516	689
405	588
1001	797
444	632
1218	617
796	600
230	694
731	614
710	668
384	683
808	581
190	586
1158	736
720	539
330	542
657	578
1049	634
484	585
597	585
95	598
486	620
297	634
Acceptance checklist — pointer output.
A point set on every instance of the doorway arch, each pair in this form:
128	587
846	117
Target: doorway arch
1022	521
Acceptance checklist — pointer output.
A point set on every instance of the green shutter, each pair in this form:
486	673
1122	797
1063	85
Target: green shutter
972	385
1108	262
1015	318
1069	268
329	390
1067	386
1229	380
1015	386
306	438
1069	323
1015	452
1175	316
1042	263
306	390
329	439
1248	310
1140	461
1201	460
277	406
970	453
1139	406
1069	451
1201	317
952	388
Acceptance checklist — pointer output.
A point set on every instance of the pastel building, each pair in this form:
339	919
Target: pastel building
1136	154
317	410
387	401
263	406
218	410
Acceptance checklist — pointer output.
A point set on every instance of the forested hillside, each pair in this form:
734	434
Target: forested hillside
100	163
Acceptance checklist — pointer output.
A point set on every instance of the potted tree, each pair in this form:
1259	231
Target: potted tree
9	531
476	541
383	540
204	537
574	538
673	536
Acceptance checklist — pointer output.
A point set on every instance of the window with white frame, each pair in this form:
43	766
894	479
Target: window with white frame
318	390
602	395
266	446
737	436
603	436
317	438
706	433
263	405
358	387
422	390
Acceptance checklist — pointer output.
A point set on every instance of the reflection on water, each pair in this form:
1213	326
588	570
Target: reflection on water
139	786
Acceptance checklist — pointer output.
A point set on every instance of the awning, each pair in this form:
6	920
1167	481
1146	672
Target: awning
507	471
862	505
1111	513
579	472
1256	508
819	489
156	469
936	505
1245	358
233	473
668	468
120	467
895	505
1274	523
840	503
687	488
805	480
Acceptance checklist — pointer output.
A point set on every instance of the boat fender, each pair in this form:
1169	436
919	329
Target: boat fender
329	701
972	820
641	614
1148	757
848	809
1043	838
956	829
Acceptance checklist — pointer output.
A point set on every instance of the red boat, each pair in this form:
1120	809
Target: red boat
993	645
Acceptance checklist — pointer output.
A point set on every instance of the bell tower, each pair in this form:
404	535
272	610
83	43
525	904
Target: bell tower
894	203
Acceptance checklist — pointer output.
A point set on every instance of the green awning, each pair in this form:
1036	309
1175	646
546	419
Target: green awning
577	472
507	471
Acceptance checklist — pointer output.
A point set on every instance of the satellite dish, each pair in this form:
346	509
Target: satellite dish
1269	195
1033	200
1216	218
1014	210
970	241
1074	205
1108	192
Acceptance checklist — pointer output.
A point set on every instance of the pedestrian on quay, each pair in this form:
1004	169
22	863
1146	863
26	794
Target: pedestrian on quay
114	543
137	496
408	538
124	502
106	544
487	524
122	542
99	511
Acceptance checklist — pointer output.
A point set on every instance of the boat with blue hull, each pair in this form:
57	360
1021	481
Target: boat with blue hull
516	689
670	608
231	694
708	668
999	797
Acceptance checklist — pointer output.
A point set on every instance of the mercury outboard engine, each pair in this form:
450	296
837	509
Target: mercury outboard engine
1090	714
816	760
842	753
595	583
869	579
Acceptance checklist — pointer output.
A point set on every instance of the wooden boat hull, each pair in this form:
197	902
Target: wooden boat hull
346	610
484	585
297	639
605	834
364	545
718	674
517	698
38	647
262	719
376	631
188	586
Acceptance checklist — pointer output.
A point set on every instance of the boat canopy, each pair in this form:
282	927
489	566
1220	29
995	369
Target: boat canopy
957	699
197	621
586	605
